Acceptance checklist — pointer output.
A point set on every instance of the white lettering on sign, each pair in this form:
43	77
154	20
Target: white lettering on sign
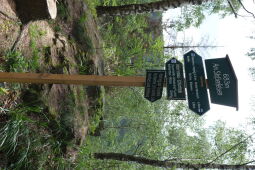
191	86
194	105
196	90
178	73
221	80
190	76
199	106
179	84
217	78
226	80
154	79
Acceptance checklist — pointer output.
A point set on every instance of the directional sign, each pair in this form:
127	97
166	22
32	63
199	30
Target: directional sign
154	84
196	83
175	80
222	82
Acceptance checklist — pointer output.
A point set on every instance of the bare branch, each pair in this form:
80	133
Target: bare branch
235	13
246	9
247	163
231	148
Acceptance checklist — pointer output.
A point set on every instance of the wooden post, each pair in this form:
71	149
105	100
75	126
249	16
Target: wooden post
89	80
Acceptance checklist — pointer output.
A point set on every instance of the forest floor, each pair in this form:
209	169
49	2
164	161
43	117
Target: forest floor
71	44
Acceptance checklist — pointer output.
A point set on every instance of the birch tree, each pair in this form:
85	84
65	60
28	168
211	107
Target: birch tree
145	7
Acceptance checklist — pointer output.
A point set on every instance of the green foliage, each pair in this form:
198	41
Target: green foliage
15	132
251	53
130	47
30	139
133	126
252	72
224	138
80	33
124	132
3	91
160	130
190	16
222	7
15	62
92	6
95	120
35	33
87	161
194	15
62	10
130	43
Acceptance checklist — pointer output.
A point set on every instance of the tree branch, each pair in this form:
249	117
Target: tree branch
246	9
232	8
166	164
247	163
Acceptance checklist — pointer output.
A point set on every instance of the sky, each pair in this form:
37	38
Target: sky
232	34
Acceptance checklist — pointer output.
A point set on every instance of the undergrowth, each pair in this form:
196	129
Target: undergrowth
28	140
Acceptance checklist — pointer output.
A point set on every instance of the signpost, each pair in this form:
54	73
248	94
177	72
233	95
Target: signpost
196	83
175	80
222	82
154	84
89	80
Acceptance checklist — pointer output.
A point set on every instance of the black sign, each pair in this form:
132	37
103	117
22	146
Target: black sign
154	84
222	82
175	80
196	83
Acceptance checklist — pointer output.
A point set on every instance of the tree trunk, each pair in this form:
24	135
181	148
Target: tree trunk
28	10
144	8
167	164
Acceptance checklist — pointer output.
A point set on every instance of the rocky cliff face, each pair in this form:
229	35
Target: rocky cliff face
68	45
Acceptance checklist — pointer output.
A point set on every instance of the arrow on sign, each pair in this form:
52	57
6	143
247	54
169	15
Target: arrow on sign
222	82
196	83
175	80
154	84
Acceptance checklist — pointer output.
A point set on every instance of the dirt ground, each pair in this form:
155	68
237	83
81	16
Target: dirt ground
62	44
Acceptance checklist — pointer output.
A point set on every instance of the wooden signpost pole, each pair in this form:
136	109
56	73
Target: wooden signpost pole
90	80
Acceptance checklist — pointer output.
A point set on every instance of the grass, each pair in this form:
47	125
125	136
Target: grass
15	138
28	140
15	61
62	11
35	33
